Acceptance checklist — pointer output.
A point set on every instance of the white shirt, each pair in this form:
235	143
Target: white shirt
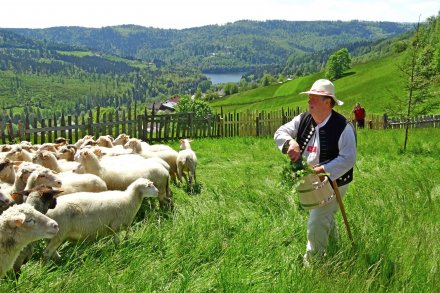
346	144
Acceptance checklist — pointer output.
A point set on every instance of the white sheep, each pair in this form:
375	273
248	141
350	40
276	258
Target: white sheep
19	154
7	171
81	141
26	179
88	215
5	202
61	141
167	154
4	148
186	163
118	172
139	146
9	175
19	226
48	159
42	199
105	141
121	139
50	147
42	177
72	182
67	152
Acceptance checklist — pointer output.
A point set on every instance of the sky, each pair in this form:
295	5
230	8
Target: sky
180	14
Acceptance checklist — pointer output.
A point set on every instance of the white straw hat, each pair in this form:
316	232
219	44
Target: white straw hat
324	87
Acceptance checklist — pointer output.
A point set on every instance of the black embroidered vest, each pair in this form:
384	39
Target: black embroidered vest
329	136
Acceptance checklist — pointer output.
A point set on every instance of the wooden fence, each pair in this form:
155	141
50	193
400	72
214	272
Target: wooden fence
419	122
152	127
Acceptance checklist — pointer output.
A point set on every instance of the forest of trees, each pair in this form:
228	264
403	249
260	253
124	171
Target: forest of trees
234	47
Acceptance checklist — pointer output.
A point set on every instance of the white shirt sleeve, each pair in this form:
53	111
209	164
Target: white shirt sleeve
347	154
286	131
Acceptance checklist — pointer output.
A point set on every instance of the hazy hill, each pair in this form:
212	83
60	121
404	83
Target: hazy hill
235	46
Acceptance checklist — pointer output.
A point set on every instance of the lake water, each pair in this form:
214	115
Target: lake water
224	77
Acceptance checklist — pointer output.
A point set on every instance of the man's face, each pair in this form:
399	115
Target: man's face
318	104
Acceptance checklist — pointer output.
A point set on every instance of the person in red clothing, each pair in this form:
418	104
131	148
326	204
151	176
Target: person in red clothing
359	115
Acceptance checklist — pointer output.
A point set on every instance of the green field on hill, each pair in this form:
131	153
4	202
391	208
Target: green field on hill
373	84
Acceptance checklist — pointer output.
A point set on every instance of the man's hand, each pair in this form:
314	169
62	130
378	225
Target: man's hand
294	152
318	170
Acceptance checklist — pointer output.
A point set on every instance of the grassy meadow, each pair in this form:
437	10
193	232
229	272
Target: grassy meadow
242	231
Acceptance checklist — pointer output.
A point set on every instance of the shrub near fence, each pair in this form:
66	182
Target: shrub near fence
153	127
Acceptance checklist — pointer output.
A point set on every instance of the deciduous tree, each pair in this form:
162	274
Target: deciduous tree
337	64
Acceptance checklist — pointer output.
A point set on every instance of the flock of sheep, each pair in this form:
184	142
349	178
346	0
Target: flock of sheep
67	191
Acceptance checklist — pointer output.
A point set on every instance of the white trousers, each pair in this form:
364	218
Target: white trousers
319	226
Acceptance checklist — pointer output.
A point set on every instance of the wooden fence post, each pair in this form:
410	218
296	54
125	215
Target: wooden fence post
10	131
191	125
49	134
63	123
35	133
55	133
257	125
76	130
123	129
139	127
27	128
150	140
43	133
21	132
89	123
385	121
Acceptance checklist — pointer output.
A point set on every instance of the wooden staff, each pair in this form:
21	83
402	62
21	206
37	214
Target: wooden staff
341	207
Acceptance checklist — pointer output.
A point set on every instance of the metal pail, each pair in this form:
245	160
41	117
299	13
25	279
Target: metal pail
314	193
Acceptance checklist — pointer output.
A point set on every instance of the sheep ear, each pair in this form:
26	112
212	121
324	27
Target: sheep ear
18	197
55	192
17	220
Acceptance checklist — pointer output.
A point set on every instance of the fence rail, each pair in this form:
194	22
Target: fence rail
152	127
419	122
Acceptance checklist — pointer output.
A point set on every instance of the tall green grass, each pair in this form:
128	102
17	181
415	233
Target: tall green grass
244	232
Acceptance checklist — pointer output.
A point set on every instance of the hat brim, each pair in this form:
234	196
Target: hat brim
338	102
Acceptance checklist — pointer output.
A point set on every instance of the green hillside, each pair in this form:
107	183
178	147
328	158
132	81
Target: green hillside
238	46
373	84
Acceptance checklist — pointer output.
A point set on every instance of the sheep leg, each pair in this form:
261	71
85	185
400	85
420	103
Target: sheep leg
116	239
173	176
166	200
179	173
24	256
186	178
191	188
51	249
